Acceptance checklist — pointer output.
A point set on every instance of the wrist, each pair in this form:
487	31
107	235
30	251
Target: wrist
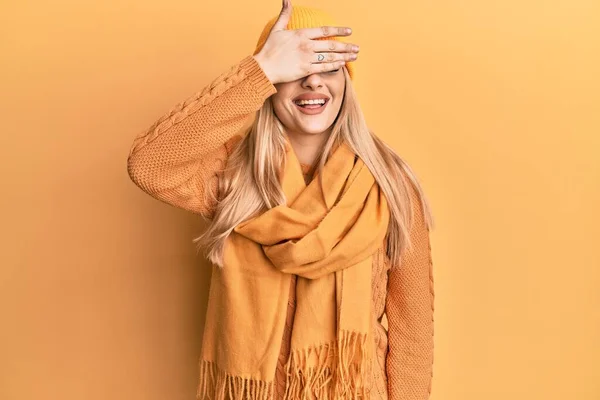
265	67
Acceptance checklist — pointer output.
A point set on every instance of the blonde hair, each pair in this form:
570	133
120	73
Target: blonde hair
250	181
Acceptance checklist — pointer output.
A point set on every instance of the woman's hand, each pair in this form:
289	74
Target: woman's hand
293	54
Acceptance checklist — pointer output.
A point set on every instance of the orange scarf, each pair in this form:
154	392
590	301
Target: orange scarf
327	239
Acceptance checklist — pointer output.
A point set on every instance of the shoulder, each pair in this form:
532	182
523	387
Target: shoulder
417	197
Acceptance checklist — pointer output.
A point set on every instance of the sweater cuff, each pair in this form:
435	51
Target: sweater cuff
257	77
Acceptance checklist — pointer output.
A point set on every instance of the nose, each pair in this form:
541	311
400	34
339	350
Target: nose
312	81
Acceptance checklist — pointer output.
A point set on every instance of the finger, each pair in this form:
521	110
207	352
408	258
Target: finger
333	57
325	31
284	16
325	67
333	46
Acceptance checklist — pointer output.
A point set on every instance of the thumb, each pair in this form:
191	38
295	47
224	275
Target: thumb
284	16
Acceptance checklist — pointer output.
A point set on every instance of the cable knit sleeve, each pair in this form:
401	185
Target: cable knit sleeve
177	159
409	309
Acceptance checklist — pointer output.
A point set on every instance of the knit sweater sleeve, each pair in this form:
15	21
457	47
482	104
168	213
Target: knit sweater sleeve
409	309
177	159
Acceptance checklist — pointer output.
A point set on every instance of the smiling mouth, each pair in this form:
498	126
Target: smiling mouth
311	104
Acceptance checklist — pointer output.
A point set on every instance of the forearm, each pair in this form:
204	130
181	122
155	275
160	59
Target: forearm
183	143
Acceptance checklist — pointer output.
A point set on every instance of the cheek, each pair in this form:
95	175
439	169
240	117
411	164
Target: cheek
338	92
280	109
337	105
338	102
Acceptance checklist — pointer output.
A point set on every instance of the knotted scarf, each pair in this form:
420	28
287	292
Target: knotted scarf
327	238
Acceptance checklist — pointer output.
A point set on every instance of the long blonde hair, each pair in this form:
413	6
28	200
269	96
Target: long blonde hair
250	181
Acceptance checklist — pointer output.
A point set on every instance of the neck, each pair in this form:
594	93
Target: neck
307	147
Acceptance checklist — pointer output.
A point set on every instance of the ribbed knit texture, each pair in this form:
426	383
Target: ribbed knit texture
307	17
176	160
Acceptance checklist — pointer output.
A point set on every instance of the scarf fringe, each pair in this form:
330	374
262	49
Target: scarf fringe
349	378
215	384
343	371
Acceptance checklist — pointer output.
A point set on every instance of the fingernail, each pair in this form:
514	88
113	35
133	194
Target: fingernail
355	48
348	30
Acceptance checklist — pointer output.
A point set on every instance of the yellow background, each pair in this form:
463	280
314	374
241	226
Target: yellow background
495	104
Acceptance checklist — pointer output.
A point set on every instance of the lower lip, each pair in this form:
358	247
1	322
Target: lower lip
312	111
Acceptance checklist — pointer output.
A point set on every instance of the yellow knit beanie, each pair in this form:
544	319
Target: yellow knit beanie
305	17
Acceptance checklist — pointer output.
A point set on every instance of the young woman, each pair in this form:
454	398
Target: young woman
318	230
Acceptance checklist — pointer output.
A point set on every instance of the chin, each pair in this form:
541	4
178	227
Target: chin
314	129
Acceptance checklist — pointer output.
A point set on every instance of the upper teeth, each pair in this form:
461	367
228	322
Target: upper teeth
315	101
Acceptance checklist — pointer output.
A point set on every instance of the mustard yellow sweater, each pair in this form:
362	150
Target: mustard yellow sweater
176	160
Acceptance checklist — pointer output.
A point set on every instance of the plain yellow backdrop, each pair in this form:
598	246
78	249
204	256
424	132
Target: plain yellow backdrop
495	104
